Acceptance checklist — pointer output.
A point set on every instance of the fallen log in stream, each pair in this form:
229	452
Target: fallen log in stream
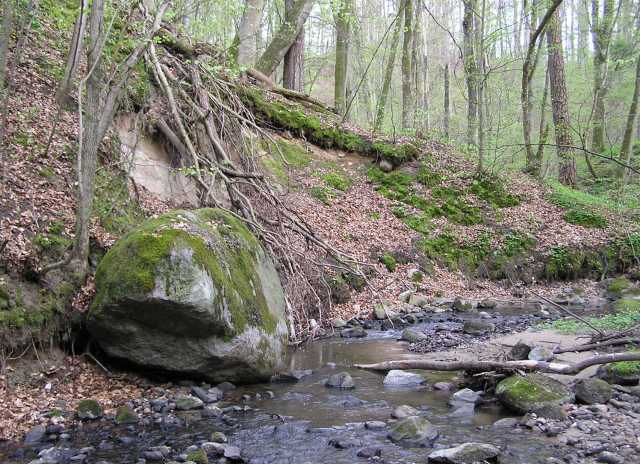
480	366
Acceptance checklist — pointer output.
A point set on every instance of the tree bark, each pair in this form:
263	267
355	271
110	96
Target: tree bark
470	71
293	67
283	39
343	18
407	94
559	103
601	29
388	76
625	151
247	32
447	105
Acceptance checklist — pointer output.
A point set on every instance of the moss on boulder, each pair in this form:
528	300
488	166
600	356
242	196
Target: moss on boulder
192	293
534	393
89	410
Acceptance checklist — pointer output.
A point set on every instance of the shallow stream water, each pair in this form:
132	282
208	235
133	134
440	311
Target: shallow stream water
298	423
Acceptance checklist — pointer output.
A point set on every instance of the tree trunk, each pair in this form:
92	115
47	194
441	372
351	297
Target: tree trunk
534	165
96	117
388	76
528	365
625	151
293	69
5	42
407	94
343	18
75	53
447	106
285	37
479	42
559	103
247	32
601	29
470	71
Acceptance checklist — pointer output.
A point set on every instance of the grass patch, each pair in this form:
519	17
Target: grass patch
621	320
491	189
322	194
585	218
389	262
336	181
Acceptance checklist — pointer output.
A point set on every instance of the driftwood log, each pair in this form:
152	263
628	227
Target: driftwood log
480	366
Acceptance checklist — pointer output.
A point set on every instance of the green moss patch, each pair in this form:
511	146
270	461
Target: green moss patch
491	189
619	285
323	134
389	262
322	194
198	456
336	181
585	218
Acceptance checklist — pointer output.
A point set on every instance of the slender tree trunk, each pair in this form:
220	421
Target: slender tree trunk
293	69
388	76
480	56
528	69
625	151
601	30
102	97
75	53
283	39
559	103
343	18
471	71
247	32
5	41
447	106
407	94
543	129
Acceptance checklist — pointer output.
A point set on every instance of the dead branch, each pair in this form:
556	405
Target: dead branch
596	345
481	366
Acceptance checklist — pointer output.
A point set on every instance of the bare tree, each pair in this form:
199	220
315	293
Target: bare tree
388	76
470	70
343	12
447	105
559	103
103	91
407	94
534	163
602	24
75	52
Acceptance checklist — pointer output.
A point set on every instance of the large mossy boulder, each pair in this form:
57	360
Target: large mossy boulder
534	393
191	293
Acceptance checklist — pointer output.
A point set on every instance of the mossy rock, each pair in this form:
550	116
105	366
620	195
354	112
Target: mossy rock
126	415
198	456
191	293
620	373
534	393
89	410
414	431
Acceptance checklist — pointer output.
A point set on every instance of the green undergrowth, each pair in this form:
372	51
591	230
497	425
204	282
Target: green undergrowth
30	313
337	181
282	155
622	319
616	257
326	135
582	208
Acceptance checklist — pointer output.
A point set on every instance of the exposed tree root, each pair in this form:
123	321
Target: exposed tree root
480	366
218	143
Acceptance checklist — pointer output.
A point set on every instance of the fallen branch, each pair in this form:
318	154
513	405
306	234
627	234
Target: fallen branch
527	365
596	345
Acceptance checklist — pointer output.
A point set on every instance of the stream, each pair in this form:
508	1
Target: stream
306	422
